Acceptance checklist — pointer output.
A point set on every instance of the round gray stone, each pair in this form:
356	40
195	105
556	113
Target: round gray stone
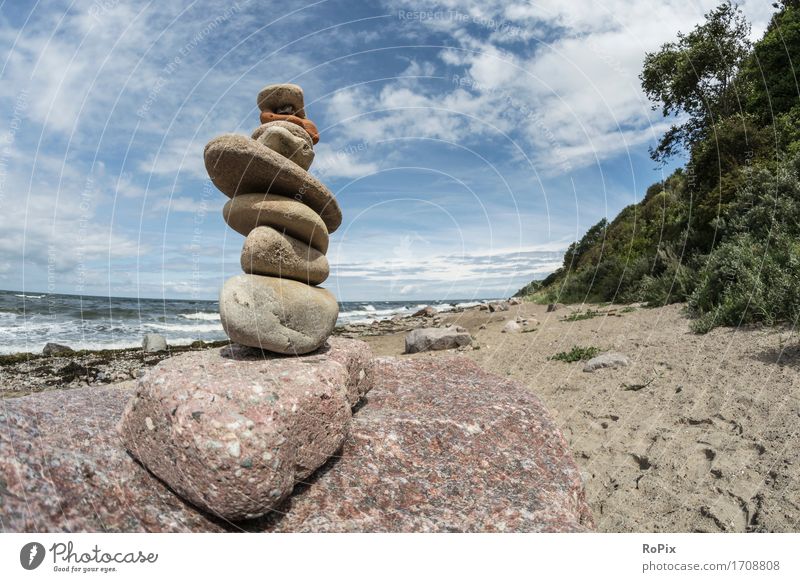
279	315
283	98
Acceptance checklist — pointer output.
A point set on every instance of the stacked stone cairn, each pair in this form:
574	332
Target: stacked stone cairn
233	430
286	215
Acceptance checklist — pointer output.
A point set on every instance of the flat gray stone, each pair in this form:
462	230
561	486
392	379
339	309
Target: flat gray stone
424	339
609	360
246	211
267	251
238	164
153	342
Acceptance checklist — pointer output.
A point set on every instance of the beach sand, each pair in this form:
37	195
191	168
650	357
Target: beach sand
699	433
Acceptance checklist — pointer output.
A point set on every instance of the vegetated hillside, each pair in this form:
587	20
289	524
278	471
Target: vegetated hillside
722	233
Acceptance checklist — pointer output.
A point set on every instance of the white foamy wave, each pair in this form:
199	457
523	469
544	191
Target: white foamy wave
185	327
201	315
28	296
367	315
37	347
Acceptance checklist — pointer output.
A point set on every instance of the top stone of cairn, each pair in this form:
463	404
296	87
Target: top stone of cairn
282	99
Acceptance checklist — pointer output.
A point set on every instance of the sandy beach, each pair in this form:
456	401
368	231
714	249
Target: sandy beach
698	434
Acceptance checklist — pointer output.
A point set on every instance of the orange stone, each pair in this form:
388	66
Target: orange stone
307	124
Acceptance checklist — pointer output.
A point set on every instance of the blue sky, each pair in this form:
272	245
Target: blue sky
468	143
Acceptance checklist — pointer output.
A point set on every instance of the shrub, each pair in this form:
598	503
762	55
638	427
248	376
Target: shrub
576	354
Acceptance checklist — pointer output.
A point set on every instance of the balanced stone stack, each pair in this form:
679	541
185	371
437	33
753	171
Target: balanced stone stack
286	215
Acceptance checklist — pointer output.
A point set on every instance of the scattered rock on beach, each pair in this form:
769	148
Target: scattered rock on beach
511	327
554	307
53	349
609	360
426	312
233	430
515	301
153	342
499	306
432	338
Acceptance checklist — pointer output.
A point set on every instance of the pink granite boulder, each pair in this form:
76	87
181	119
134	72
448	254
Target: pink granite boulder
438	445
233	430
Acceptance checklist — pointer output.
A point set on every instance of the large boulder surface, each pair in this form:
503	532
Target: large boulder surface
233	430
439	445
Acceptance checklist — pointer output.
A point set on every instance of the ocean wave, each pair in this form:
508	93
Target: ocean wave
28	296
201	315
36	347
182	327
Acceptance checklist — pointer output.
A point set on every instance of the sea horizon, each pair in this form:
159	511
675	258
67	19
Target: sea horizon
30	319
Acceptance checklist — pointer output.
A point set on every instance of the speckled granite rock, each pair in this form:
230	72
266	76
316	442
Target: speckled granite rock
233	430
238	164
439	446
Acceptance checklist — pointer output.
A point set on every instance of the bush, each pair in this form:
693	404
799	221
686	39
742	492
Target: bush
576	354
755	274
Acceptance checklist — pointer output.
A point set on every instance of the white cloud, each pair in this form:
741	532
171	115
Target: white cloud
572	95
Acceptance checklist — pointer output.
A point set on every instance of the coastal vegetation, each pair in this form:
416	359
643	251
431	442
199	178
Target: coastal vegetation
576	354
721	233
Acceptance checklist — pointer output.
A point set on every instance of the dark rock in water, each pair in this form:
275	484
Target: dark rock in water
436	338
52	349
152	342
440	445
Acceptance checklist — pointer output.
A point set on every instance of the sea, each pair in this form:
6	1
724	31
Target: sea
29	320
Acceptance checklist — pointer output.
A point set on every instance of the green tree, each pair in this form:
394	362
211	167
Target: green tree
695	76
773	69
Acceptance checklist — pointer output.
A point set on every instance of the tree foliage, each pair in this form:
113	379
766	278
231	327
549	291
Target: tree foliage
723	233
695	76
